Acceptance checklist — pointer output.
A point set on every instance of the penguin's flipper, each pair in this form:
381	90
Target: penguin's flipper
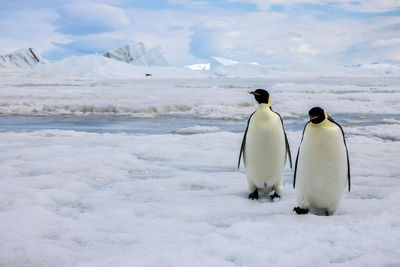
286	140
243	146
347	152
297	157
287	144
288	149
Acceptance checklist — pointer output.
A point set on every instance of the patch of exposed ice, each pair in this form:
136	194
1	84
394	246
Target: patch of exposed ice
198	129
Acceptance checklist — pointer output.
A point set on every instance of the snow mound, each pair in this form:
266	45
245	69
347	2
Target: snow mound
381	68
138	54
198	67
198	129
97	66
227	67
223	67
22	58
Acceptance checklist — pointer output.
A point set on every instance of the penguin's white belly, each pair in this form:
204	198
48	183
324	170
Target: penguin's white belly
265	152
322	168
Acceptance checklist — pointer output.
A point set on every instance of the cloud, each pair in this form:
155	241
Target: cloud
394	28
369	6
206	43
24	5
306	49
28	28
375	53
82	18
288	37
171	30
265	37
57	53
386	42
377	42
92	44
83	45
188	32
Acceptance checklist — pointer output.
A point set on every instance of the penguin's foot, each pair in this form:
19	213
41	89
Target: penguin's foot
300	211
275	195
329	213
254	195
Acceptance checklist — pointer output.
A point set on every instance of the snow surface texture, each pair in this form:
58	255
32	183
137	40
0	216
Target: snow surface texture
205	98
70	198
22	58
137	54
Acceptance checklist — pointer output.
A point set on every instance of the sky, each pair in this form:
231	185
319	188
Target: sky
275	32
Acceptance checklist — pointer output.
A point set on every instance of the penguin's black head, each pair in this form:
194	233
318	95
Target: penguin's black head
317	115
261	96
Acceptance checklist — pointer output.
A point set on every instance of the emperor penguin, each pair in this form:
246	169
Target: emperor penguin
322	165
264	148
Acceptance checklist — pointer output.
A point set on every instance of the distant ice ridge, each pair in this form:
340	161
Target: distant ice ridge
97	66
138	54
224	67
382	68
227	67
22	58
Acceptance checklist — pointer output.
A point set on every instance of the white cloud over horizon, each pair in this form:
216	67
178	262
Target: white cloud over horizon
29	28
370	6
188	32
84	17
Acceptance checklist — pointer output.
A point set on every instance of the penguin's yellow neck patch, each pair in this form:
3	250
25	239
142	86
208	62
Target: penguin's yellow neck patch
322	123
263	105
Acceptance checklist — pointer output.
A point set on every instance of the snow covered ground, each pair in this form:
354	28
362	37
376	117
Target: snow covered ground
163	190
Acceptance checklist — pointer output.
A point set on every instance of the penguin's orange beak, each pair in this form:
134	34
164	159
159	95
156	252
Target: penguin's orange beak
314	117
254	93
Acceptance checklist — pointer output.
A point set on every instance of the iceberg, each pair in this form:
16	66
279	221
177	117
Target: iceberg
227	67
22	58
138	54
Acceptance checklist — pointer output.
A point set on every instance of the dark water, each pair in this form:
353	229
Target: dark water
165	124
114	124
